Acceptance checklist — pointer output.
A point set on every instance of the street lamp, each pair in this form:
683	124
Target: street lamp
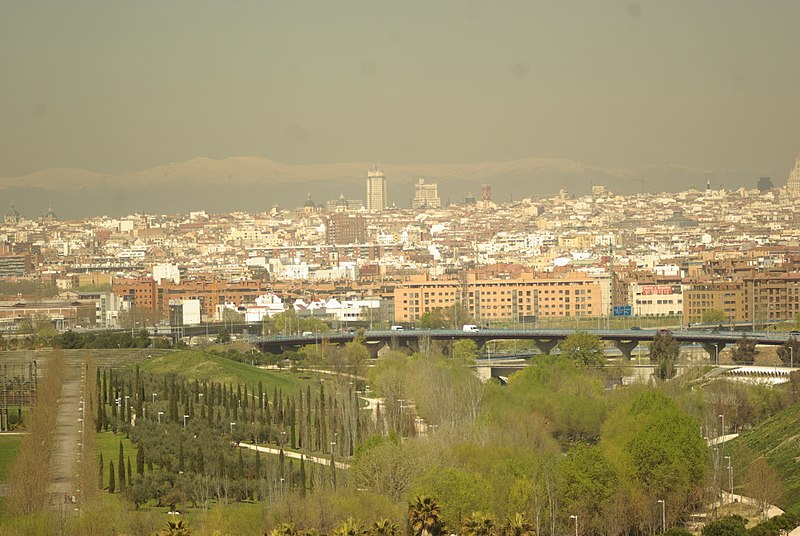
160	413
730	475
716	353
722	416
576	523
663	514
791	357
184	420
232	425
154	397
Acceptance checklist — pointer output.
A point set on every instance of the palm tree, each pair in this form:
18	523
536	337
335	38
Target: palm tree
178	528
425	517
284	529
518	525
351	527
383	527
478	524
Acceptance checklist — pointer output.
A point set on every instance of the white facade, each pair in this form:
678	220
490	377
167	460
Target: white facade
426	195
376	190
267	306
655	300
170	272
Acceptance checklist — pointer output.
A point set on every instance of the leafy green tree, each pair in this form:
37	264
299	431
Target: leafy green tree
745	351
583	348
590	483
434	319
465	350
788	351
713	316
425	517
452	317
224	336
664	351
657	449
734	525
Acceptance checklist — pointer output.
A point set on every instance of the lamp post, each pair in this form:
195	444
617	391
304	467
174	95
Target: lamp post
232	425
184	420
160	413
576	523
716	353
791	357
722	416
730	475
154	397
663	514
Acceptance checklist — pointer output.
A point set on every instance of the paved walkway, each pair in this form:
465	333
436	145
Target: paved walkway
295	455
68	432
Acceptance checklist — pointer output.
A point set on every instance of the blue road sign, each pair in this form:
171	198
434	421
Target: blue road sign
621	310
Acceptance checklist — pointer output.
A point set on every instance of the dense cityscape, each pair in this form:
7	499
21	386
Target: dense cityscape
662	254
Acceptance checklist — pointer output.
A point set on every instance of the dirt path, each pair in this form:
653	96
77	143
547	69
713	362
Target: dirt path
68	433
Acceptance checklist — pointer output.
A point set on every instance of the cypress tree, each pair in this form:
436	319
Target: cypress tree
101	472
111	478
140	461
121	467
199	461
180	457
302	476
130	478
98	425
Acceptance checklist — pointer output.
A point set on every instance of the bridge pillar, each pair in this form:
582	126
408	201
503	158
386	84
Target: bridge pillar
714	350
545	345
626	347
374	348
413	344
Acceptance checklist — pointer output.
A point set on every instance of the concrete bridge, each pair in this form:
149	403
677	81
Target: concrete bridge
544	339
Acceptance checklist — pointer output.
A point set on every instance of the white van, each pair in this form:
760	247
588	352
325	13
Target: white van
470	328
397	328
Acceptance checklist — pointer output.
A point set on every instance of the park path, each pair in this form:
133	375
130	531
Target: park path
295	455
68	433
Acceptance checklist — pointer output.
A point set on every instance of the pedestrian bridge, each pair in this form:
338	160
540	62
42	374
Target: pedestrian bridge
626	340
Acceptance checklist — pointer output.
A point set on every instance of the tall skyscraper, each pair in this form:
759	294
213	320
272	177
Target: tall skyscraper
376	190
793	184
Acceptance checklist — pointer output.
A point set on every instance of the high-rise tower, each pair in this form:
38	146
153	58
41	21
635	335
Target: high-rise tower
793	184
376	190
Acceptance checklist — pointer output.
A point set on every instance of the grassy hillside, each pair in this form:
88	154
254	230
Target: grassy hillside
196	364
778	439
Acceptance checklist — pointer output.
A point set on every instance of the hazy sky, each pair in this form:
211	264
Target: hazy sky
117	86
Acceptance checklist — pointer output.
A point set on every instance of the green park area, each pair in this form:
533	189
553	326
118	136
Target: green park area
9	447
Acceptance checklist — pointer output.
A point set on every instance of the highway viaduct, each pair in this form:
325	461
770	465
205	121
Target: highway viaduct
545	340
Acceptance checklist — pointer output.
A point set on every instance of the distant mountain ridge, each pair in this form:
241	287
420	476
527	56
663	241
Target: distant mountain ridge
252	184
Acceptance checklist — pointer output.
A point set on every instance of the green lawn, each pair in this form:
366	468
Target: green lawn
9	446
778	439
108	444
196	364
